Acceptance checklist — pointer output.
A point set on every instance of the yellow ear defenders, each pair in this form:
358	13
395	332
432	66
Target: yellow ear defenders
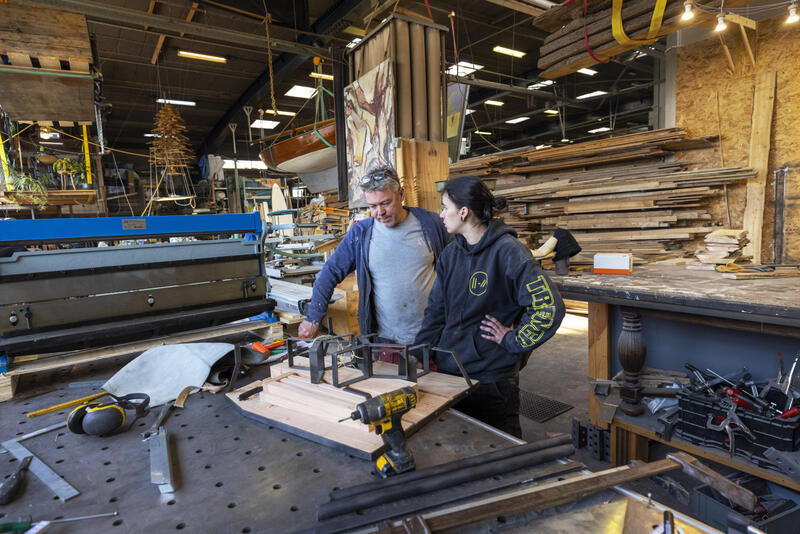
102	419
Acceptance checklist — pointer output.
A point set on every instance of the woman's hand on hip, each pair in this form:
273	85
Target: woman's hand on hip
493	329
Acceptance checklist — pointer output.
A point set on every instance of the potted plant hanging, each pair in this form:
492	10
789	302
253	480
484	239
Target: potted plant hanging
28	190
68	167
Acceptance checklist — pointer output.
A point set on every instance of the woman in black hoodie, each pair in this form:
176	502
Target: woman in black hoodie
491	304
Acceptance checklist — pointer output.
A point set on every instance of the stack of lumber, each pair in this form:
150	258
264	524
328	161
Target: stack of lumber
327	219
723	246
614	195
564	51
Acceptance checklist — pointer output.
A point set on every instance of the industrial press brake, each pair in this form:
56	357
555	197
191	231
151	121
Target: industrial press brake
89	296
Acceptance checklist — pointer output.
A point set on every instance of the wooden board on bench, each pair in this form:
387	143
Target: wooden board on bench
292	403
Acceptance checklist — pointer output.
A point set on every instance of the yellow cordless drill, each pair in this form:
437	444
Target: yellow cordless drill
384	414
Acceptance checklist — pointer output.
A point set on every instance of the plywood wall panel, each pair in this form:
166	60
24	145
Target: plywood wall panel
705	85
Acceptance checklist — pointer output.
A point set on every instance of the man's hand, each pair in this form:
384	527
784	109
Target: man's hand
308	329
493	329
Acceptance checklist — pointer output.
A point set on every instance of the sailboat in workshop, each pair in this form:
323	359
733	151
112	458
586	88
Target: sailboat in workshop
310	151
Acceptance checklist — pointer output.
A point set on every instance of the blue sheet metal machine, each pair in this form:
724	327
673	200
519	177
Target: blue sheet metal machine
83	295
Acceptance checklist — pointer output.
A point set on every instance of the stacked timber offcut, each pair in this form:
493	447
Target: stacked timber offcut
575	33
614	195
723	246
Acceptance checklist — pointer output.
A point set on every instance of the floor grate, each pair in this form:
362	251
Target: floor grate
538	408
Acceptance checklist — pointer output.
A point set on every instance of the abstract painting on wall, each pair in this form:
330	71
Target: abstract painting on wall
369	123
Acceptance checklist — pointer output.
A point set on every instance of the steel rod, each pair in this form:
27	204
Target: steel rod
377	485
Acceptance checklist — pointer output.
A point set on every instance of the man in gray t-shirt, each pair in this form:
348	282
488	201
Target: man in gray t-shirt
393	253
402	269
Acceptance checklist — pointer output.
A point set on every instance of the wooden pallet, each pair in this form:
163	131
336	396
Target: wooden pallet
48	77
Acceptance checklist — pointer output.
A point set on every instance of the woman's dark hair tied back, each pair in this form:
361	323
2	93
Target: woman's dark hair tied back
470	191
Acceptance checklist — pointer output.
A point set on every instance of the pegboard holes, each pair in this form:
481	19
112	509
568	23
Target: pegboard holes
12	460
2	515
316	470
56	518
276	486
59	447
270	427
236	438
103	448
177	414
112	500
465	431
441	419
335	488
209	405
20	433
438	444
283	440
59	434
60	461
141	424
190	437
207	466
110	480
226	426
106	463
246	530
180	526
26	403
497	477
248	453
501	519
261	468
198	451
170	502
117	522
299	453
22	422
184	425
294	508
492	446
231	505
219	484
61	413
216	415
55	497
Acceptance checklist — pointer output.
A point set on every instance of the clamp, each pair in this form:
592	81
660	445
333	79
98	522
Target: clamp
729	424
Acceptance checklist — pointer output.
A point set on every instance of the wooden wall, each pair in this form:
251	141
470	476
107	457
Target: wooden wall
713	100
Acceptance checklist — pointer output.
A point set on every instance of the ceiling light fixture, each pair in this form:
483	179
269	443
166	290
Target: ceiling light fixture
793	17
354	42
600	130
263	123
321	76
493	102
55	143
591	95
204	57
284	113
539	85
463	68
508	51
151	135
481	132
45	133
588	72
301	91
517	120
720	27
688	14
175	102
551	112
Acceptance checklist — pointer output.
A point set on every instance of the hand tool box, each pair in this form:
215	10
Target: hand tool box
709	506
694	409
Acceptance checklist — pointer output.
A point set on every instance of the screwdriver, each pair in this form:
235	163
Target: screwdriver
25	525
10	486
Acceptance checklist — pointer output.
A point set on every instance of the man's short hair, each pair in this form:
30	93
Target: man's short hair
380	180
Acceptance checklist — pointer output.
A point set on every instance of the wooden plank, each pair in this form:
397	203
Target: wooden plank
18	59
599	338
157	50
78	65
760	143
752	276
542	496
35	97
291	412
522	7
557	16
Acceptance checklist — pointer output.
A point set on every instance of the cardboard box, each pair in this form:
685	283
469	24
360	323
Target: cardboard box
613	263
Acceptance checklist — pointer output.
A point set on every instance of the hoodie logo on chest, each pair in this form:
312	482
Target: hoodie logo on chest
478	283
